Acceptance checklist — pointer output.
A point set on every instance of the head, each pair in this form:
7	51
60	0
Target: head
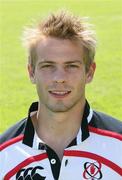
62	26
61	59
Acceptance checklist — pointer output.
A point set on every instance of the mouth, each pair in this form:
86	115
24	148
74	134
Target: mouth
59	94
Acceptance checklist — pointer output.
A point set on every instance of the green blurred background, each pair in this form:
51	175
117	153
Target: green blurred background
16	91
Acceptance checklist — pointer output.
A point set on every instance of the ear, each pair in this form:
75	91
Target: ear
31	73
90	73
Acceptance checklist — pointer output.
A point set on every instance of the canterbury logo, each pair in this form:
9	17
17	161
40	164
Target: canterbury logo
31	173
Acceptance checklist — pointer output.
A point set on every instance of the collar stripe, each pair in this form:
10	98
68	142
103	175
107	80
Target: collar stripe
105	133
11	142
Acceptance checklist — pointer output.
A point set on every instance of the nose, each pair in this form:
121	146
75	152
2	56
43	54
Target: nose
59	75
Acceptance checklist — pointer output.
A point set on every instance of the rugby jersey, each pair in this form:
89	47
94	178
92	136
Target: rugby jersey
96	152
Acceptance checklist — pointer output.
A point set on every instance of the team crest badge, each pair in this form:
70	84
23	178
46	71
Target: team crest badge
92	171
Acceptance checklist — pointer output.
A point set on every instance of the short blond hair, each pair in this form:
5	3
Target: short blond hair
65	26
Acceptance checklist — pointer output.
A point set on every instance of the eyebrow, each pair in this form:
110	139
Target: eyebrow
74	61
67	62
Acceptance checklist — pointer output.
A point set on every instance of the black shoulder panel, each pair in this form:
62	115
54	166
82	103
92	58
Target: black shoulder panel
13	131
106	122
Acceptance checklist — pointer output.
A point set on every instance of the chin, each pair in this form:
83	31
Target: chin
60	107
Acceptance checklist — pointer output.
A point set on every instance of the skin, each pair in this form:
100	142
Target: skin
60	80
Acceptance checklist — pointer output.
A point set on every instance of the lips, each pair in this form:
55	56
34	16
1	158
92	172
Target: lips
59	94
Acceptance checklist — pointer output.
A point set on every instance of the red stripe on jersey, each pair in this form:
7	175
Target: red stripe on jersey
93	156
11	141
23	164
105	133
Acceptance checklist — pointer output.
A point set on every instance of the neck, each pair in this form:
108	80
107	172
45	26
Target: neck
55	122
58	129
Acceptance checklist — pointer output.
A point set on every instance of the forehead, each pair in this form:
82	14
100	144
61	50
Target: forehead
56	49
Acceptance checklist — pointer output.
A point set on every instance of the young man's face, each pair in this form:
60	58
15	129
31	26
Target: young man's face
60	75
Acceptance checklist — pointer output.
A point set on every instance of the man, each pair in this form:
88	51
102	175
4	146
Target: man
62	138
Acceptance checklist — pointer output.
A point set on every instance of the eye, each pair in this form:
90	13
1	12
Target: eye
72	66
47	66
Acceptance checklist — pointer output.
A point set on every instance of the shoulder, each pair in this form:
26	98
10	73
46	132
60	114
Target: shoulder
105	122
13	131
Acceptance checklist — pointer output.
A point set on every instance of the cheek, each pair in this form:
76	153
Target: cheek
42	78
78	79
81	86
42	83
